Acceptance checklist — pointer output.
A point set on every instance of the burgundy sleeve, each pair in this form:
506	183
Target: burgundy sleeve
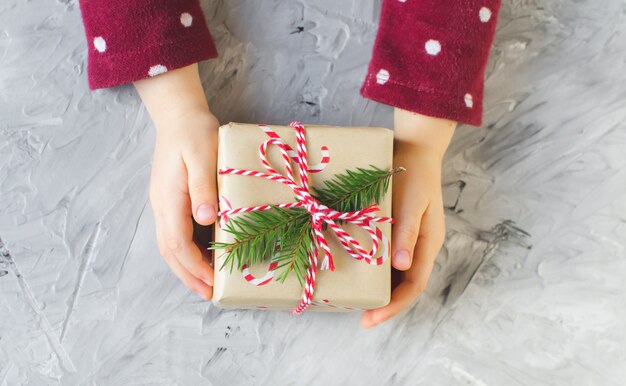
430	56
132	40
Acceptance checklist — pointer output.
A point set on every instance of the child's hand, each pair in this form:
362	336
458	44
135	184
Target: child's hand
419	227
182	183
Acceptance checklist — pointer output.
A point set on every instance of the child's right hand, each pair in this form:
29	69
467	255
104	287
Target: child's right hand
184	165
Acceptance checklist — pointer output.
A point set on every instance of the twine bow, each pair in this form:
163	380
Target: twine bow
319	212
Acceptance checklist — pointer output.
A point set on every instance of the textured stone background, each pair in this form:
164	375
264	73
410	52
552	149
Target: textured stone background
529	288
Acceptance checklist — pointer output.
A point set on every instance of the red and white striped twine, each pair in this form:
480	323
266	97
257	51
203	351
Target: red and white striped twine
319	212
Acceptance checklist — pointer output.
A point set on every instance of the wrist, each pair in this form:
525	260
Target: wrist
171	96
185	114
421	133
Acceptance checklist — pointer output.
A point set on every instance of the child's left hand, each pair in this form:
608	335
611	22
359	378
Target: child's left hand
419	229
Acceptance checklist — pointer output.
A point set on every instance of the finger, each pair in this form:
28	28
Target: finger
405	233
200	160
428	245
407	214
431	238
198	286
402	296
178	233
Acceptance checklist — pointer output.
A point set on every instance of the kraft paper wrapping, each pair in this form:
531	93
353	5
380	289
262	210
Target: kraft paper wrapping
353	284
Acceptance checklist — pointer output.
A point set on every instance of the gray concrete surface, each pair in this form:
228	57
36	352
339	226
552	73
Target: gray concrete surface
528	290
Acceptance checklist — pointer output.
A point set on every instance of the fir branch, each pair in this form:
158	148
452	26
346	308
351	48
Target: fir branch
355	190
257	234
295	256
285	234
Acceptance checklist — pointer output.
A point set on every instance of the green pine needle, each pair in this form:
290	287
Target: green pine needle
355	190
285	234
257	234
295	256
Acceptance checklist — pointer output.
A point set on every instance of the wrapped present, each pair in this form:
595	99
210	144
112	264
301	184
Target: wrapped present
295	230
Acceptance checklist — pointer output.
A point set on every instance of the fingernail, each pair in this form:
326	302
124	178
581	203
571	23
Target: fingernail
205	212
402	258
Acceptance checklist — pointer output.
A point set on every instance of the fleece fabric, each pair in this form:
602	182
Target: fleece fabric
429	56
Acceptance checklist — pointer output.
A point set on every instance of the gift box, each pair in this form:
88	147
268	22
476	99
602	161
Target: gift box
246	155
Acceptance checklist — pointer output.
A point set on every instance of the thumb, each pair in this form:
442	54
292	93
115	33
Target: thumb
405	231
202	188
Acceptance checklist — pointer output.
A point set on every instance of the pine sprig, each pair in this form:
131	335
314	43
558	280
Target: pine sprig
284	234
355	190
295	256
257	234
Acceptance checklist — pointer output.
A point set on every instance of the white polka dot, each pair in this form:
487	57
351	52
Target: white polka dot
186	19
402	1
382	77
156	70
469	101
433	47
484	14
100	44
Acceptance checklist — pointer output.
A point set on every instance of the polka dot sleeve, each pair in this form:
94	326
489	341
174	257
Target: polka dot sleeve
430	56
132	40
